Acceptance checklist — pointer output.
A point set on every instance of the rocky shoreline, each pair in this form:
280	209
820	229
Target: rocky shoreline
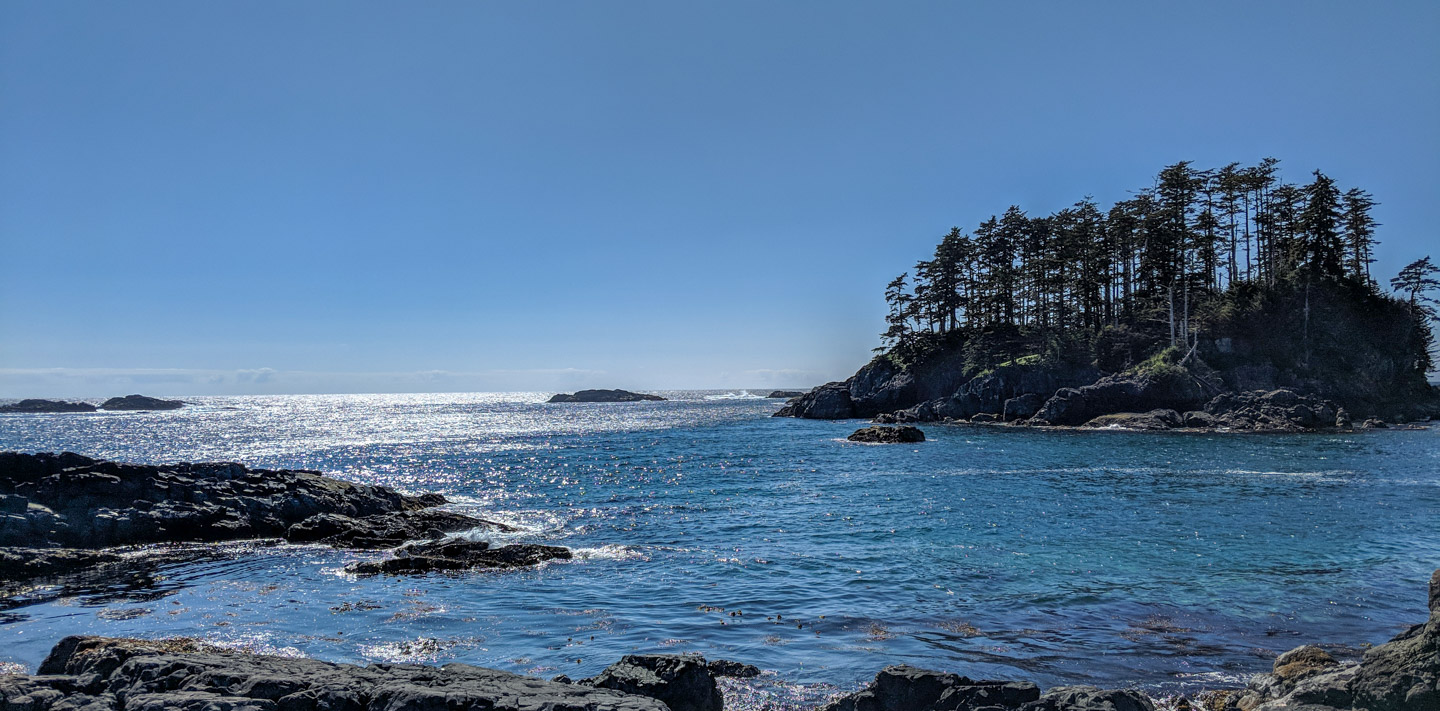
66	514
1037	395
128	402
85	673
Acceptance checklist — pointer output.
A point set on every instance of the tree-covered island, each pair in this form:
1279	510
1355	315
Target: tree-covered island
1213	298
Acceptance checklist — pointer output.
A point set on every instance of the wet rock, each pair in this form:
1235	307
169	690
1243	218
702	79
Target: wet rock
384	530
887	435
1152	420
907	688
1374	423
983	417
434	556
1089	698
785	393
604	396
682	681
79	502
103	674
140	402
1342	418
725	667
37	405
1400	675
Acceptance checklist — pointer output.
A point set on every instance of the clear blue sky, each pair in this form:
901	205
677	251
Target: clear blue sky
226	197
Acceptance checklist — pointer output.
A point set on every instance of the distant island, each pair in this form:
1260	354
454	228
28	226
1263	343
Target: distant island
128	402
604	396
1215	299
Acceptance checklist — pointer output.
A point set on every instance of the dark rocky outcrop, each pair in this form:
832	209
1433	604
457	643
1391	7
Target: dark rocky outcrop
785	393
103	674
383	530
36	405
738	670
1090	698
1152	420
830	401
433	556
74	501
887	435
682	681
140	402
604	396
906	688
58	511
1279	410
1400	675
1123	393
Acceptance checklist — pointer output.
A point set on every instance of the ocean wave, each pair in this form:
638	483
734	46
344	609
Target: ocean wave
742	395
609	551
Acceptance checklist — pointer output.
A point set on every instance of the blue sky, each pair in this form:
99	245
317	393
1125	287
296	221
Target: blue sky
374	197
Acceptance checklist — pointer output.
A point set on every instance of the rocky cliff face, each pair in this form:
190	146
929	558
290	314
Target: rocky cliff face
1242	397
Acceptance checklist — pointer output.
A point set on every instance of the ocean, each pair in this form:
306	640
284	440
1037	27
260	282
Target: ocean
1172	562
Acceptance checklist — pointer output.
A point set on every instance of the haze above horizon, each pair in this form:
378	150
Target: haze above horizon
232	198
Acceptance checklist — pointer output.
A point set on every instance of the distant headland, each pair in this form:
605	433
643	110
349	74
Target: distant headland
1215	299
604	396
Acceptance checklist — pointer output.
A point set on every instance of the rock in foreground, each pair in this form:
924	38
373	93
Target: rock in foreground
36	405
682	681
1400	675
433	556
879	434
906	688
140	402
604	396
103	674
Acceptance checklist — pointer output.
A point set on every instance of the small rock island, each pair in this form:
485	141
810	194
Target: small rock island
38	405
604	396
140	402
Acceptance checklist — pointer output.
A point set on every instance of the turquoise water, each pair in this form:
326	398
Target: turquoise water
1169	561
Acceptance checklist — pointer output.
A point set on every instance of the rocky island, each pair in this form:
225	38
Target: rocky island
38	405
605	396
1168	311
140	402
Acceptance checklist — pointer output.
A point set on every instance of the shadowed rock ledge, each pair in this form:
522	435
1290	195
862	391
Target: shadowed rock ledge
59	512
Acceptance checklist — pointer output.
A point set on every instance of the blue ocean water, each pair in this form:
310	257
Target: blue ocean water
1173	562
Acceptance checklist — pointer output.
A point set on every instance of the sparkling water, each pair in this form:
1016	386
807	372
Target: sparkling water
1173	562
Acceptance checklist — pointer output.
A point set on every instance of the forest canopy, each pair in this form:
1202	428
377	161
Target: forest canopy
1195	253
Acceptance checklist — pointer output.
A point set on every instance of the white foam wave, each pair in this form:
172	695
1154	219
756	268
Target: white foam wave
742	395
609	551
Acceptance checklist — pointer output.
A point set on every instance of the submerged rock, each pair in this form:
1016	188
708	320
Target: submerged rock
682	681
887	435
140	402
105	674
725	667
604	396
433	556
36	405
